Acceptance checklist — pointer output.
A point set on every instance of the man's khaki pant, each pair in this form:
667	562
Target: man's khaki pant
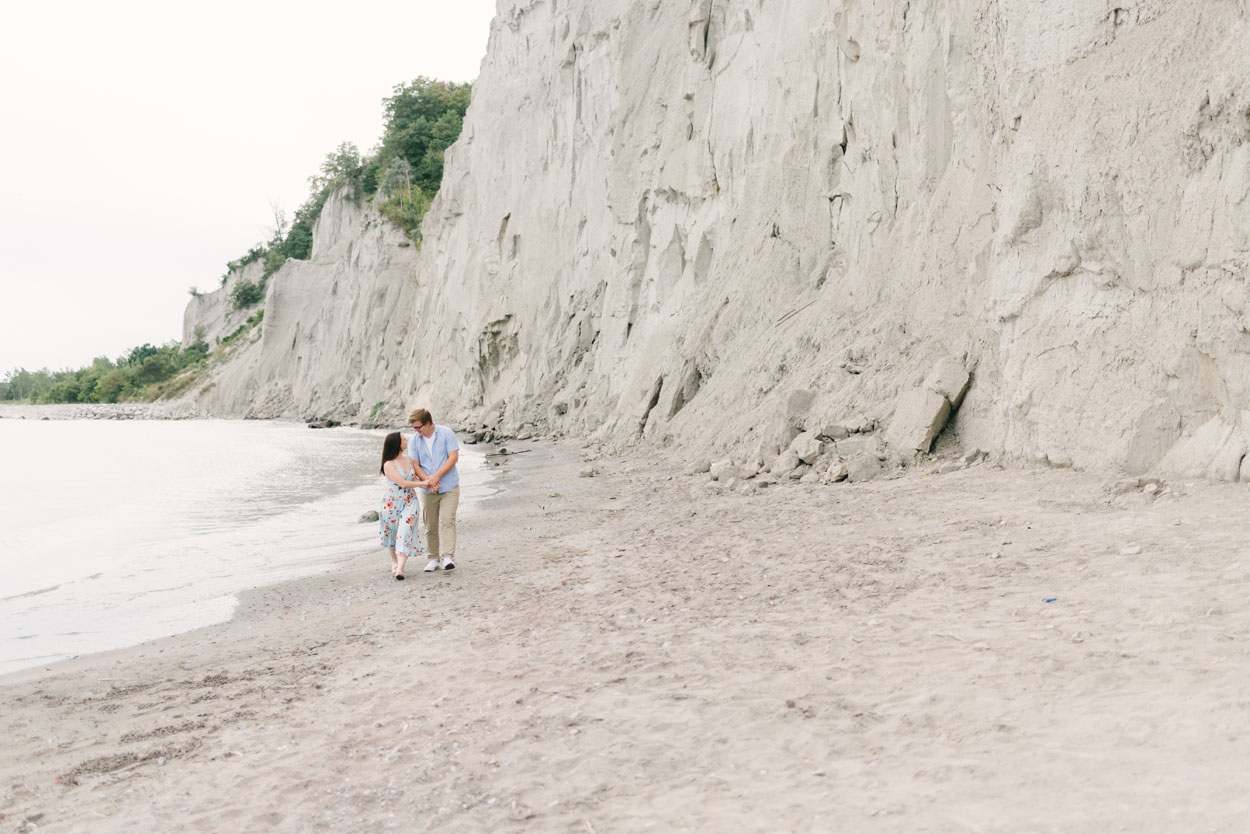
439	514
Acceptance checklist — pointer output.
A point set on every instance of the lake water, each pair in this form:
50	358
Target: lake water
117	532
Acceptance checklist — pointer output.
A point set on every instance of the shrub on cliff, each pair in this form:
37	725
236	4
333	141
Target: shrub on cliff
423	118
408	203
245	294
342	166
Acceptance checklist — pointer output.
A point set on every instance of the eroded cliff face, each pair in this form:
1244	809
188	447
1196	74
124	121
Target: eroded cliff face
664	219
320	343
212	316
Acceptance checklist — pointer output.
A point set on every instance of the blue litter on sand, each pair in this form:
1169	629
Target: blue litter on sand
1049	599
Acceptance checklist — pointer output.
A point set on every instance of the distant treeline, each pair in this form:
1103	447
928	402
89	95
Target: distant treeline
142	374
423	119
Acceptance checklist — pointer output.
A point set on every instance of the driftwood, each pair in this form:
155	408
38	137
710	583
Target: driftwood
504	452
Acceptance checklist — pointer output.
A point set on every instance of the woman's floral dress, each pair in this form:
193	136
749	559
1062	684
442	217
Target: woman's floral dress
398	515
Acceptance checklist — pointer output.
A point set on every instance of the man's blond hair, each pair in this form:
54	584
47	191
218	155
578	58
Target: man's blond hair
421	416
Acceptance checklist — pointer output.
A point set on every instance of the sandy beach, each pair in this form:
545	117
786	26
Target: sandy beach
988	650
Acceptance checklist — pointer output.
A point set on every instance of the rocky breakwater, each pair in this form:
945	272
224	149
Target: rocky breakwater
663	219
99	411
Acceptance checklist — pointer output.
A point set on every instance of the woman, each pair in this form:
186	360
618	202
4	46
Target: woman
397	517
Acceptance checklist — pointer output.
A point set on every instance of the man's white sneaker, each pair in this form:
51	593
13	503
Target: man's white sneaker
431	566
448	564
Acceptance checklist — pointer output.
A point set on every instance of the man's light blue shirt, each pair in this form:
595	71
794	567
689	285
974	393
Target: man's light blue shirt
444	443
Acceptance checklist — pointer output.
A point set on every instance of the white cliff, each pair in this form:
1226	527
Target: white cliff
212	316
663	220
320	344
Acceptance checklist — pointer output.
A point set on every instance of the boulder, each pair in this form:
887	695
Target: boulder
808	447
775	434
918	417
785	462
859	424
833	430
725	470
1217	450
765	453
862	467
949	379
859	443
836	472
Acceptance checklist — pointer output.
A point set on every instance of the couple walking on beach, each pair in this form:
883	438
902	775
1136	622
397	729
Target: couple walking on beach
426	463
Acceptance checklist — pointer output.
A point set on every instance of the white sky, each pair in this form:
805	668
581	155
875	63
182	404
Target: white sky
141	144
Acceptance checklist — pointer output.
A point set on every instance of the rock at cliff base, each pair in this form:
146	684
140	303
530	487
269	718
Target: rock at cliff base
863	467
949	379
834	430
808	447
726	470
372	515
857	444
918	418
836	472
785	463
1217	449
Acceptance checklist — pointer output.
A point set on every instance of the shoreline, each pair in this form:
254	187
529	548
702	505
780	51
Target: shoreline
983	650
160	410
103	580
494	482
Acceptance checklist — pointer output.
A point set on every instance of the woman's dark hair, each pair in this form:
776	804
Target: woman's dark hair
391	447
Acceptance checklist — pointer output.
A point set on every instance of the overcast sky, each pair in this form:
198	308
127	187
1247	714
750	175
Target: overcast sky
142	143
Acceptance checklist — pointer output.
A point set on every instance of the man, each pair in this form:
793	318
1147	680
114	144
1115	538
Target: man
435	450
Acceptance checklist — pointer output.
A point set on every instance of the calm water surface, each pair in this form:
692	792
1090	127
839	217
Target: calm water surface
116	532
